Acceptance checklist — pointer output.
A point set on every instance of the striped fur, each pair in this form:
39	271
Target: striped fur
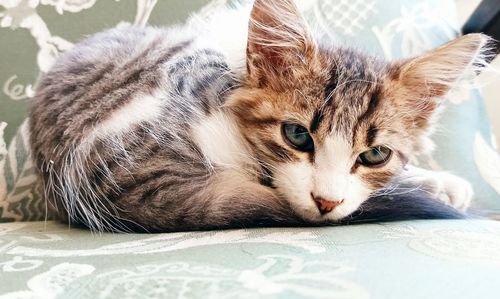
162	129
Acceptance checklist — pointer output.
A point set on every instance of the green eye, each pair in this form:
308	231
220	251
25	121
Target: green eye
298	137
376	156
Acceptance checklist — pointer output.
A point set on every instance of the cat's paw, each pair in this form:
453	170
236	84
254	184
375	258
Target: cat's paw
448	188
454	190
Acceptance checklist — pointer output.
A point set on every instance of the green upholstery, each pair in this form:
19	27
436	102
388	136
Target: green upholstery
419	259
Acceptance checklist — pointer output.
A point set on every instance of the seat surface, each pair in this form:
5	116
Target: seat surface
413	259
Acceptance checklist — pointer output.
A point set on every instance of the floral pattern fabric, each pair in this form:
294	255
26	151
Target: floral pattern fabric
417	259
34	32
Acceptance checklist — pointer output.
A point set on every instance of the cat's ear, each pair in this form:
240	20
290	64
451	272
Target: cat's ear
279	41
435	73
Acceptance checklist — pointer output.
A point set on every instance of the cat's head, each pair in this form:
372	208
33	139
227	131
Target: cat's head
332	125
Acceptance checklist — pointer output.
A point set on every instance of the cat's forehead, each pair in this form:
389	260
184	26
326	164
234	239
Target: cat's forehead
352	90
351	74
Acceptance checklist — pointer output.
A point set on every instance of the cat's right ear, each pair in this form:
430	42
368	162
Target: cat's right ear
279	42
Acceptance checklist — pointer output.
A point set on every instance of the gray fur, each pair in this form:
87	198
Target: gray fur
153	178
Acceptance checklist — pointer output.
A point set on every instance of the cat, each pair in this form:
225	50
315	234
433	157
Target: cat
186	128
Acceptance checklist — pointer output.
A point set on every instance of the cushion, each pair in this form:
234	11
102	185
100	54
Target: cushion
415	259
33	33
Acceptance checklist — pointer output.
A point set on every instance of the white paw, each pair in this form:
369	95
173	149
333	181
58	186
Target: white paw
448	188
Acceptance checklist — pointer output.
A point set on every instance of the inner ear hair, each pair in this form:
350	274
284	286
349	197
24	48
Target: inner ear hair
438	71
278	39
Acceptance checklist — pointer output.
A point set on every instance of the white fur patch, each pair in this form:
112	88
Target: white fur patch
220	140
230	40
294	182
333	163
141	108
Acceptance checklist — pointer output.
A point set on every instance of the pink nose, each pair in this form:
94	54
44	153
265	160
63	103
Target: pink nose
326	205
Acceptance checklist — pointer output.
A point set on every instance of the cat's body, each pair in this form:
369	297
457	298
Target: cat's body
153	129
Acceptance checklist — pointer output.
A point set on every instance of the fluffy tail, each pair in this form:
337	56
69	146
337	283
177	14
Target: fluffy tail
405	206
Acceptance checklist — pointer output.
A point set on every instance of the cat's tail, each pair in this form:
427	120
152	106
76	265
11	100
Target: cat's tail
404	206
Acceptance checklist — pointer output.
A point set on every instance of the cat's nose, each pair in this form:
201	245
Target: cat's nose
326	205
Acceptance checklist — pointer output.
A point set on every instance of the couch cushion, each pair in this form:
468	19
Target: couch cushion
418	259
35	32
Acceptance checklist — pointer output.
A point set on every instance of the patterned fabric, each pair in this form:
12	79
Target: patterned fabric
419	259
34	32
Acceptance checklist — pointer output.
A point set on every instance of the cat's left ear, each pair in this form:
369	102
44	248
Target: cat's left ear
279	42
435	73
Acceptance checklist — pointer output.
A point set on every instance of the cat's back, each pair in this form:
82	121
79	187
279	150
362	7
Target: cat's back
122	98
125	77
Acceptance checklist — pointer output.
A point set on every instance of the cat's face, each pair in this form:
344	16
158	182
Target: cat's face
330	136
332	126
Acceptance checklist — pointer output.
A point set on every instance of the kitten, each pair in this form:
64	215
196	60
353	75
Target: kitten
183	128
